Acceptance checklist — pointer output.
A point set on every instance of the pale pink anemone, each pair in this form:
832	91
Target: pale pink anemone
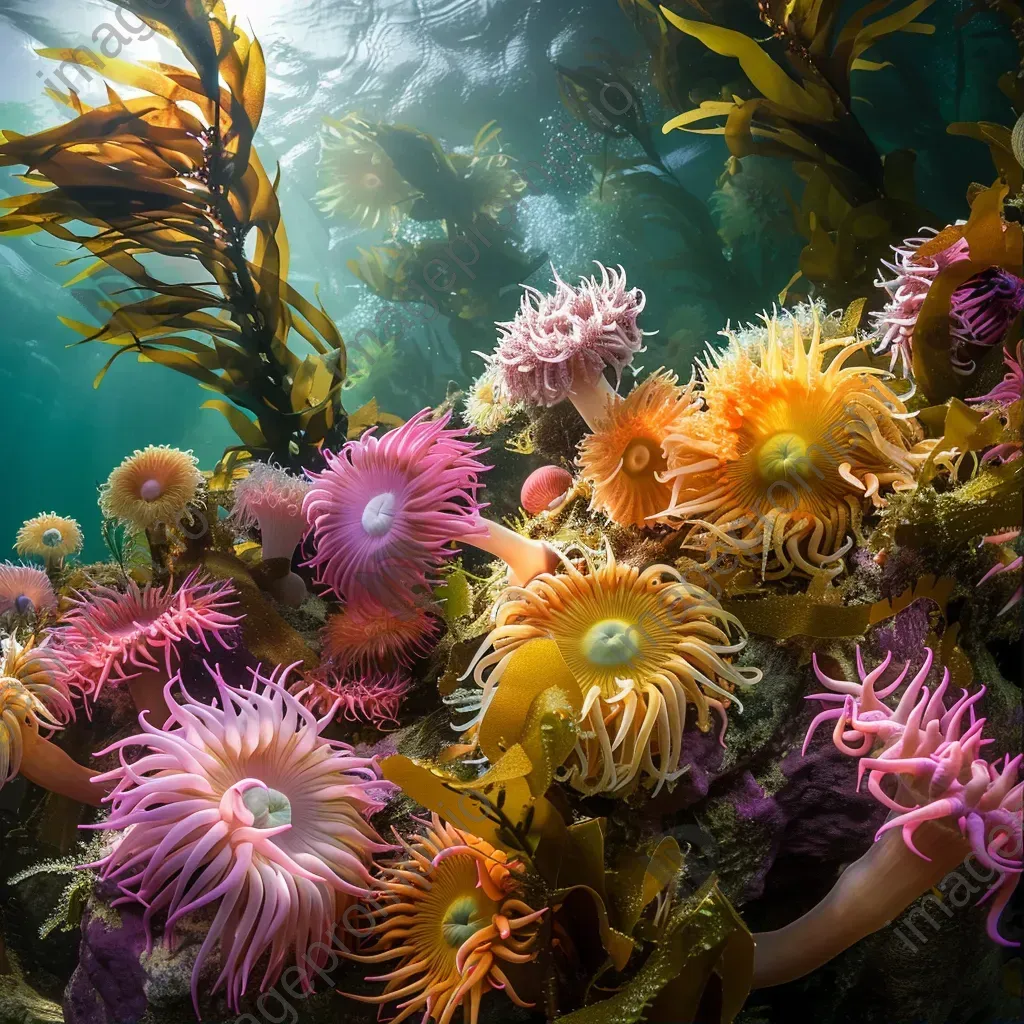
271	498
373	697
559	344
246	808
934	753
114	637
25	590
980	312
384	511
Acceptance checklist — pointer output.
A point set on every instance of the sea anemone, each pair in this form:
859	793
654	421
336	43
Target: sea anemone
489	180
1013	562
361	183
544	489
641	646
133	637
750	204
35	700
485	408
50	537
981	309
934	755
450	912
373	697
1007	393
624	460
558	345
25	590
151	488
779	466
384	511
243	805
271	498
368	634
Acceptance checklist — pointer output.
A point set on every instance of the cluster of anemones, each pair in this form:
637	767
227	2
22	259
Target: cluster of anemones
450	914
643	646
244	806
933	752
980	310
792	444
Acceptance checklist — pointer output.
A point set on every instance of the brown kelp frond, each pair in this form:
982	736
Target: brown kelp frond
854	201
174	172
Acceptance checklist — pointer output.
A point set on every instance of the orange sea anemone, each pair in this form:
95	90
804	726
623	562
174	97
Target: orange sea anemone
450	913
50	537
150	487
792	445
368	635
641	646
623	458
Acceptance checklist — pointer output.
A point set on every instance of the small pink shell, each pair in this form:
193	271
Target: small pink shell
544	488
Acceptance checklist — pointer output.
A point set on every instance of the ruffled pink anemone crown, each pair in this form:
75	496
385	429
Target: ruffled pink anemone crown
247	807
271	498
980	310
373	697
112	637
934	755
562	341
25	590
384	511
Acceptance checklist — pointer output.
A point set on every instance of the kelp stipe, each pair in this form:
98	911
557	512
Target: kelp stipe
148	176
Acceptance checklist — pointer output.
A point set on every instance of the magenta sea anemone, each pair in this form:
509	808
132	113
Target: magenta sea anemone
133	637
559	344
271	498
1006	393
980	310
933	753
373	697
244	806
385	509
25	590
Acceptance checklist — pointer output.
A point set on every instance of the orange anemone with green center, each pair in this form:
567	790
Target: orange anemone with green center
796	440
642	646
450	917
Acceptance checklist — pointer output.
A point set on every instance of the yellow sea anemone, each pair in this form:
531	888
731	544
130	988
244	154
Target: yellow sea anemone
641	646
624	460
361	183
791	447
450	913
491	182
485	408
50	537
151	487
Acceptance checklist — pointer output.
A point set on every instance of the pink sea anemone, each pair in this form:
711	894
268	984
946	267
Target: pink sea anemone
544	488
25	590
133	637
559	344
369	635
934	755
384	511
1009	391
981	309
1012	562
271	498
373	697
244	805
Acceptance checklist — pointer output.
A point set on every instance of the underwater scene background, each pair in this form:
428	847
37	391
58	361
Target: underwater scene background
478	611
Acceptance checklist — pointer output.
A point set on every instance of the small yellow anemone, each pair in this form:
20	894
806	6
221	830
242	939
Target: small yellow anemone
450	913
624	458
31	697
49	536
641	646
361	182
485	408
791	447
491	181
153	486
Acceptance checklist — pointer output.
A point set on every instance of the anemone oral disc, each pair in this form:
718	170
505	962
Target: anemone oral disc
379	514
460	921
611	642
150	490
783	456
270	808
51	537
